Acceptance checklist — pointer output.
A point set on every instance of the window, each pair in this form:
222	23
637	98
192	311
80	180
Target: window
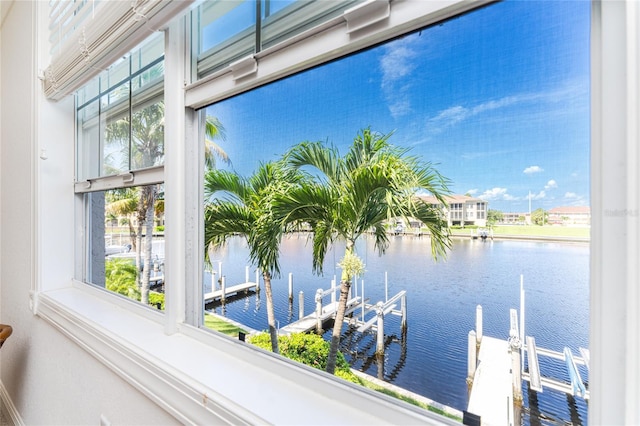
120	154
448	103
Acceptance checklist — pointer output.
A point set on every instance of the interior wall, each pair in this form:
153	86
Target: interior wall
48	378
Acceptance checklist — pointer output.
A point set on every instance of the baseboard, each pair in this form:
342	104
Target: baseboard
8	407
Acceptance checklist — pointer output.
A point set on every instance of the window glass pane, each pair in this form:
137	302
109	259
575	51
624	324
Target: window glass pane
227	29
116	74
285	19
221	21
88	92
148	52
121	115
152	76
116	134
147	133
126	242
226	32
89	150
504	119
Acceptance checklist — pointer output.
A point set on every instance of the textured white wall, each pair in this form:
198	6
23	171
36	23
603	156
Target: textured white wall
49	379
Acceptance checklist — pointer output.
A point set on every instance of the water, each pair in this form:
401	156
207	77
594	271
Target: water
431	359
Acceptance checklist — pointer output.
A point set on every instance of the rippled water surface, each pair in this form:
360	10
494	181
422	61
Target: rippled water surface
431	359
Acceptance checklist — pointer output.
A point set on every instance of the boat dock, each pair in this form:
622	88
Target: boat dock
355	313
224	292
491	397
496	368
314	320
221	294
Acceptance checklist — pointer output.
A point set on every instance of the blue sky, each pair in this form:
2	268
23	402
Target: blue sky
497	99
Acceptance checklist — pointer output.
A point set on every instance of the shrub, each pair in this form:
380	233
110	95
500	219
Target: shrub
308	349
156	299
120	277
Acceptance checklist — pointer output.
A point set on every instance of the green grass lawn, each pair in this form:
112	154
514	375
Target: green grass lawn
533	231
215	323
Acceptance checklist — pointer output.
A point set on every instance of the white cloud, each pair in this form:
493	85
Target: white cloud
499	103
494	194
472	192
399	107
539	196
455	114
450	116
396	63
573	199
551	185
532	169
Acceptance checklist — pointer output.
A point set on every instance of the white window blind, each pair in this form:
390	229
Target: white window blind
88	35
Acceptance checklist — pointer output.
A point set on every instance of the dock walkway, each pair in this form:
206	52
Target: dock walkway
492	392
310	321
228	291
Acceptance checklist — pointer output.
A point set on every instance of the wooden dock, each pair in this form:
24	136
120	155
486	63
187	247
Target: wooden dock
310	321
492	392
221	294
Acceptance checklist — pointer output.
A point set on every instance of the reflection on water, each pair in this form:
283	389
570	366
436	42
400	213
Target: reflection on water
430	359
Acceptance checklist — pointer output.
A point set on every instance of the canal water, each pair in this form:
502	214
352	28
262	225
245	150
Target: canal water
431	358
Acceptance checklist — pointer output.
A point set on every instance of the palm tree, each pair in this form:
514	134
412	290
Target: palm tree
238	206
214	130
356	194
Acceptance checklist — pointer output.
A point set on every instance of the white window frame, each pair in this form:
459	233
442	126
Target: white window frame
205	378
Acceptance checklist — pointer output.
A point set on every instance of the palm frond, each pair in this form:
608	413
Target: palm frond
223	220
214	130
325	159
217	181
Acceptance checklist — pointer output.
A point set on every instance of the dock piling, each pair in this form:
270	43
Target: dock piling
380	340
223	280
403	312
471	357
362	311
479	324
319	310
290	286
386	286
301	305
514	348
516	373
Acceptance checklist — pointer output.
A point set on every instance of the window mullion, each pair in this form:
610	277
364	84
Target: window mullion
181	200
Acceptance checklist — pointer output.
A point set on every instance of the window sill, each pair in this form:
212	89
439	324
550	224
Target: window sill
204	378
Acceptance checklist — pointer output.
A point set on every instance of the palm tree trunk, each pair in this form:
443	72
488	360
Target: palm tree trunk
271	317
345	286
139	253
148	252
132	234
